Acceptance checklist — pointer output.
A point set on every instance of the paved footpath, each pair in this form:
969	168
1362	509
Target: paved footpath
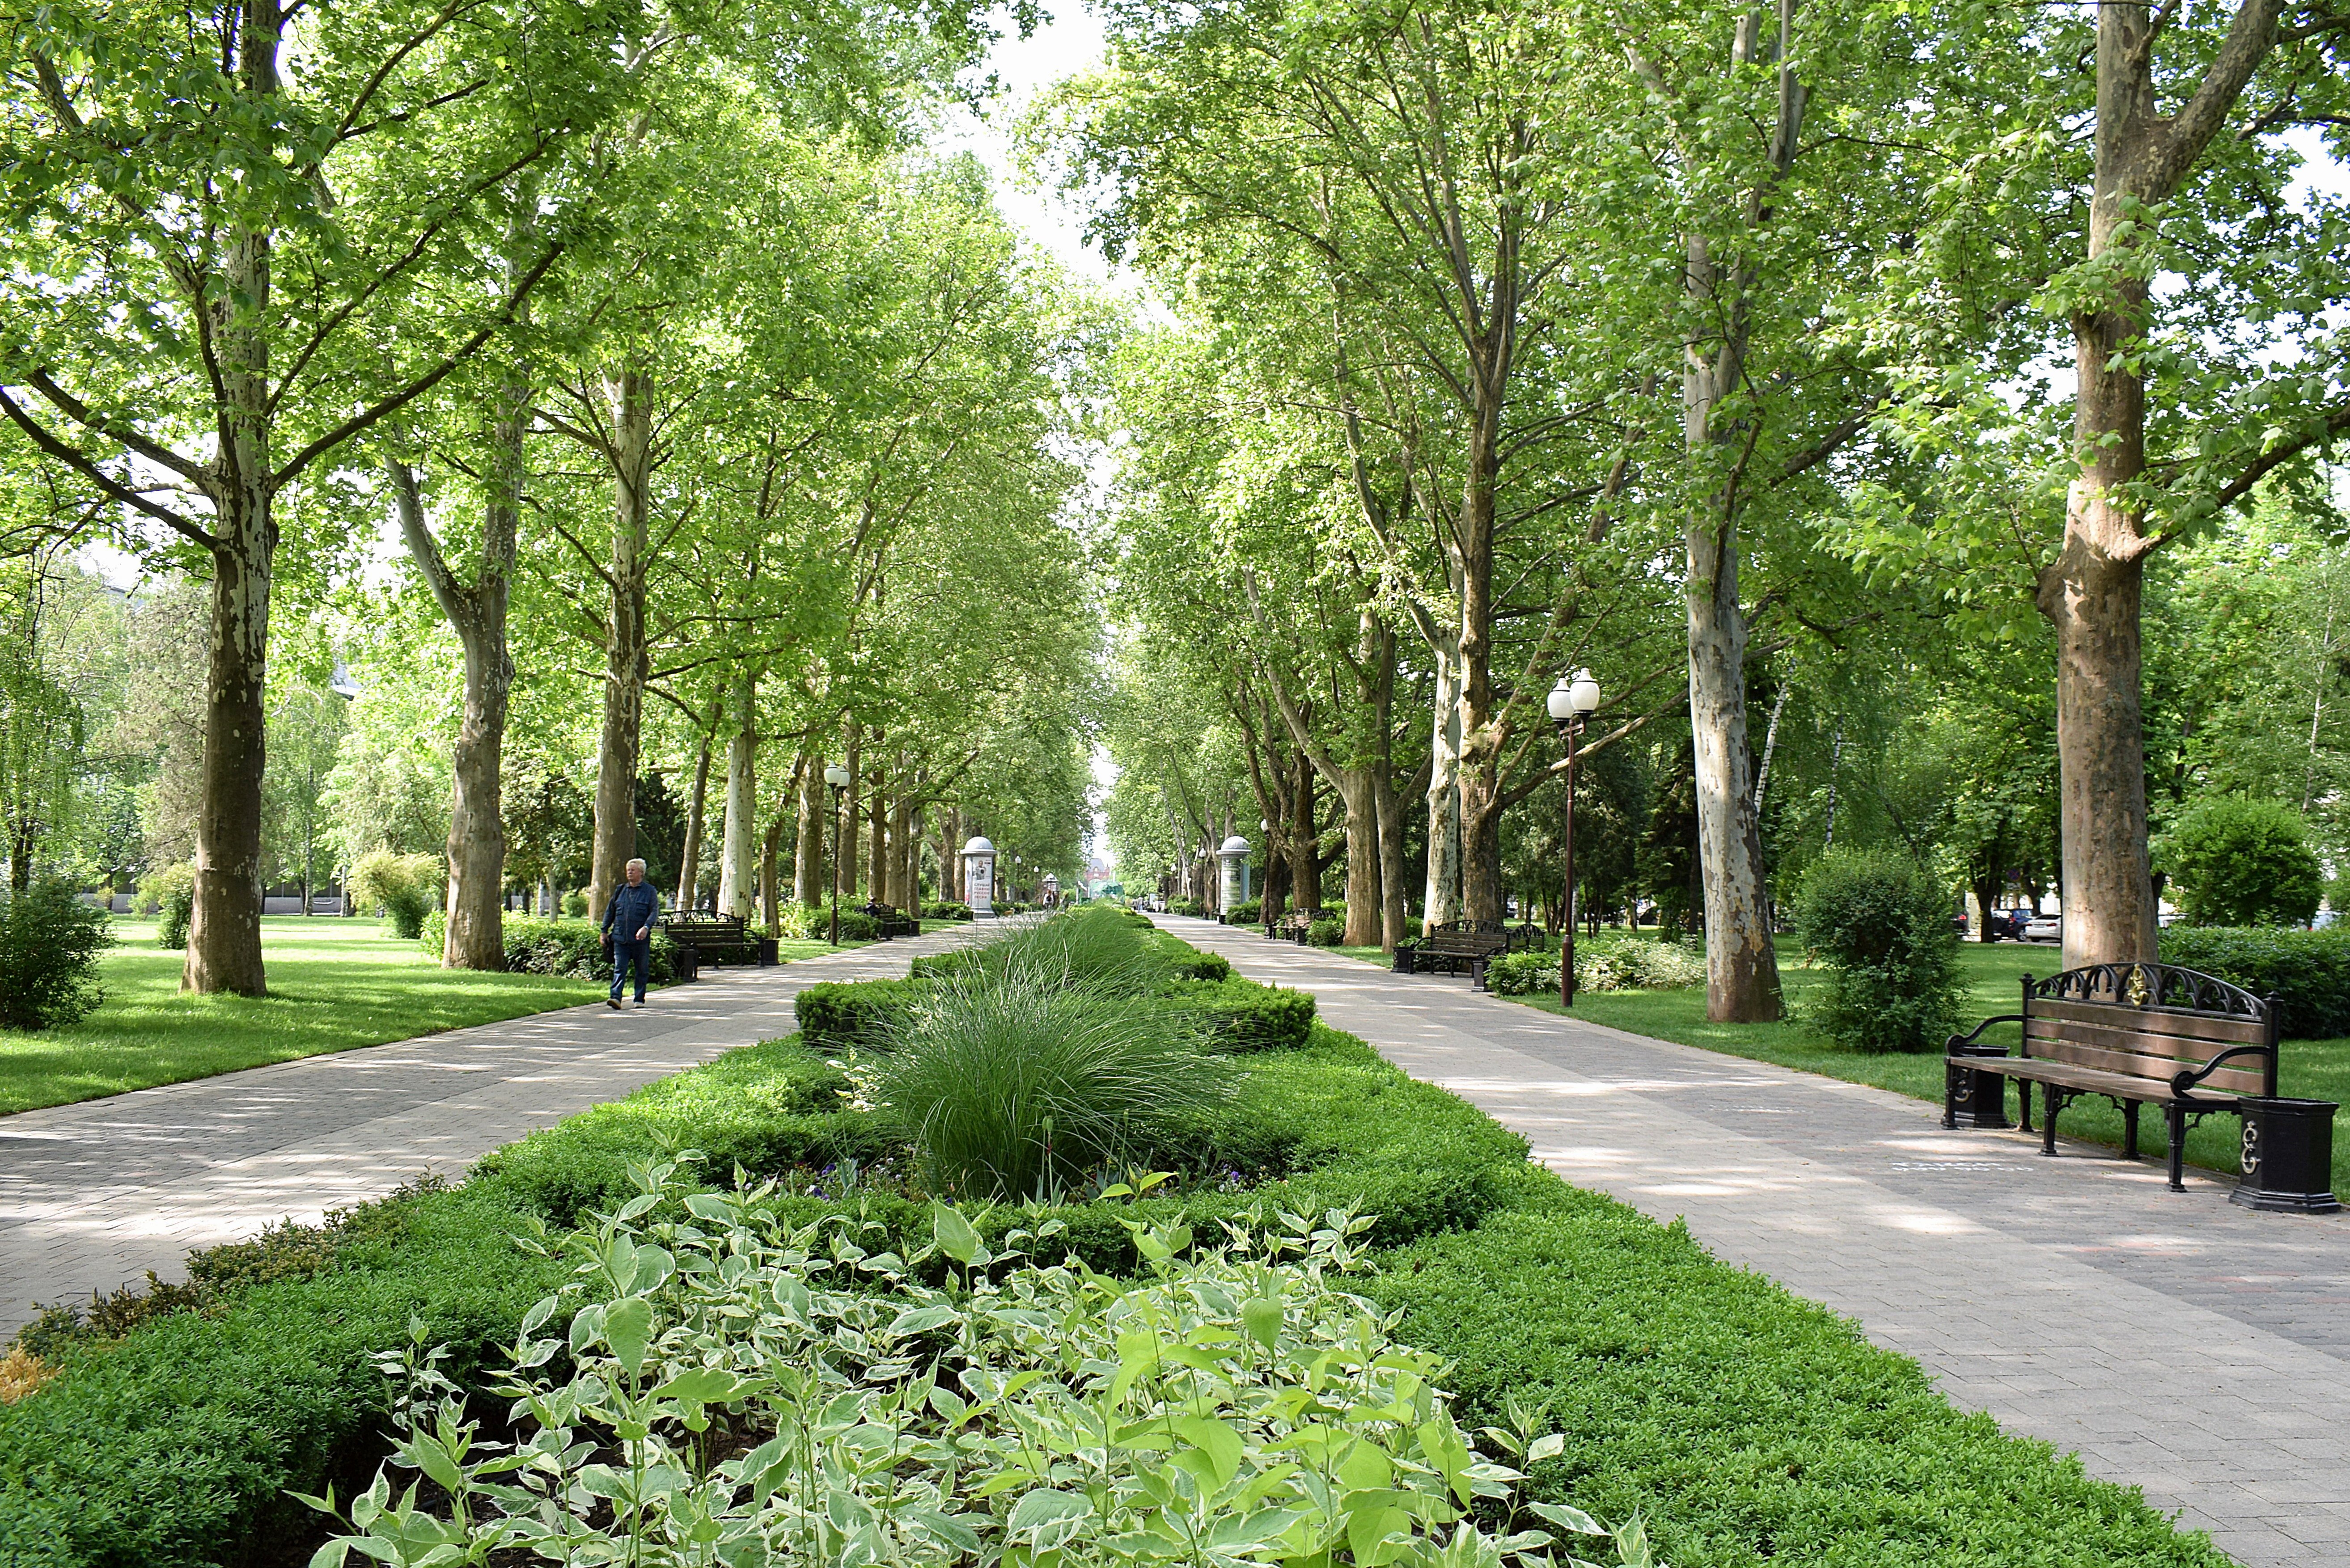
95	1194
2178	1342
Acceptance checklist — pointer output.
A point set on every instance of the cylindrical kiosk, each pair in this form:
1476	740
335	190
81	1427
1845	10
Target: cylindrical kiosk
1234	853
979	877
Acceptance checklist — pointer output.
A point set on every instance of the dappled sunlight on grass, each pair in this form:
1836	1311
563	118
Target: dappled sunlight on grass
333	984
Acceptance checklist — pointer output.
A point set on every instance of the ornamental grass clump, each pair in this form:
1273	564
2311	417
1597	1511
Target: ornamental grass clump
1018	1080
1883	925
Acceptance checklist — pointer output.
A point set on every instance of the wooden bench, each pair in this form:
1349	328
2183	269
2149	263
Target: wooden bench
1459	947
1294	924
717	940
890	921
2136	1034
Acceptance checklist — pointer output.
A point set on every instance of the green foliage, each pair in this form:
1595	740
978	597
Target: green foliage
1746	1425
1191	907
1016	1083
2307	972
176	1445
1326	933
2239	862
946	910
1610	961
404	886
49	946
836	1015
1883	926
1249	912
1205	966
1242	1015
1196	1389
542	945
170	895
574	904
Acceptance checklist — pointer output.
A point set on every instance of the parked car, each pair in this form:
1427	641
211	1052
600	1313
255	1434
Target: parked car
2044	928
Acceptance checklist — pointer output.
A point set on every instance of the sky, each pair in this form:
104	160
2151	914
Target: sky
1069	43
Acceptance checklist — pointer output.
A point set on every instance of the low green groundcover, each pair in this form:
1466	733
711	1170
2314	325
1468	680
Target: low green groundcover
1745	1425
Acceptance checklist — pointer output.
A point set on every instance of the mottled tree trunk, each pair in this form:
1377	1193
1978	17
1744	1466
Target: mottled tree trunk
807	848
2091	591
1443	901
626	652
1304	869
736	869
770	882
1741	965
689	870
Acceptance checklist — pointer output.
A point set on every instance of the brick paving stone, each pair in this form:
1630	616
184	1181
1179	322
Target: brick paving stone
94	1195
2179	1344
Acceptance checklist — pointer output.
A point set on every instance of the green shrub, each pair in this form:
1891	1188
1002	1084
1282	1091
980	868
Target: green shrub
1248	912
1205	966
1015	1083
1191	907
1326	933
537	945
1522	974
50	945
836	1015
404	886
2307	972
1242	1015
946	910
574	904
170	895
1746	1426
2237	862
1883	926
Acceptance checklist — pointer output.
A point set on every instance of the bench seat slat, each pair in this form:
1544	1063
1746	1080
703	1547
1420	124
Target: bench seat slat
2128	1085
2225	1028
2113	1052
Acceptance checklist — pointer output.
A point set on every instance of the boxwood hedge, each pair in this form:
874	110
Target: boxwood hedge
2307	972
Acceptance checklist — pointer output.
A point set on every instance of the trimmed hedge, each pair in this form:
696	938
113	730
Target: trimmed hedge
538	944
1246	1016
2307	972
839	1014
1746	1425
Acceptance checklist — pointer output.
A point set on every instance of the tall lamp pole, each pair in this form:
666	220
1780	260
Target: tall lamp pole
1571	701
838	777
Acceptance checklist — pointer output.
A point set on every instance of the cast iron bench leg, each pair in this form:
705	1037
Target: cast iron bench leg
2129	1129
2023	1104
2048	1120
2176	1115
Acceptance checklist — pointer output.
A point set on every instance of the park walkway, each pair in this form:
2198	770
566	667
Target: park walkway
2176	1341
94	1195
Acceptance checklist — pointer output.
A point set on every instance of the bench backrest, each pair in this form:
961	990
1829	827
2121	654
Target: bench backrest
2149	1021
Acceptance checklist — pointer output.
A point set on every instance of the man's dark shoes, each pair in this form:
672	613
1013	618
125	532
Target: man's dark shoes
613	1002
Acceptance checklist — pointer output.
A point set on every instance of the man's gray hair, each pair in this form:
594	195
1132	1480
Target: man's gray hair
637	864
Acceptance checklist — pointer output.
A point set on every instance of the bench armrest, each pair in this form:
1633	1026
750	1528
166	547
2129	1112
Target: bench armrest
2184	1080
1966	1045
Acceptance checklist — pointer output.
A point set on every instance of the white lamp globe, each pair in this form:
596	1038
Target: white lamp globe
836	775
1561	701
1584	693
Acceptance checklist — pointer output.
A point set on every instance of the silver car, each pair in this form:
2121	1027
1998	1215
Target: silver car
2044	928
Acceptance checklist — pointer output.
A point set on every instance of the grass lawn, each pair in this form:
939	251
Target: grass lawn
333	985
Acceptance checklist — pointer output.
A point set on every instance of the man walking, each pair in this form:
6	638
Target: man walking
628	922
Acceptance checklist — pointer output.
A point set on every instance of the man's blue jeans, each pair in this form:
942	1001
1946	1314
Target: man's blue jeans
624	954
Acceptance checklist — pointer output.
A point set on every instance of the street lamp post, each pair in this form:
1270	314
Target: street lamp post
838	777
1571	701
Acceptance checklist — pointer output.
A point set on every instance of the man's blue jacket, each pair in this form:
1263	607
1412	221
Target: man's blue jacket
632	910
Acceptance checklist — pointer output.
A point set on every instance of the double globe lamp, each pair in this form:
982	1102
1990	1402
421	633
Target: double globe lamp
1575	699
838	777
